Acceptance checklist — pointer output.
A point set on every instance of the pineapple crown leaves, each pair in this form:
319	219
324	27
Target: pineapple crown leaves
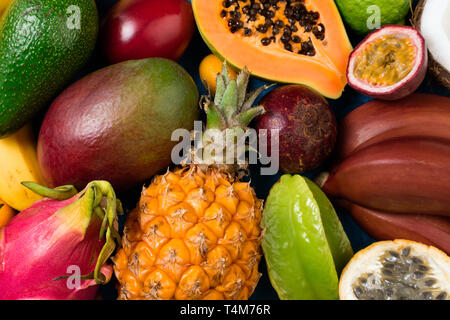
230	111
232	106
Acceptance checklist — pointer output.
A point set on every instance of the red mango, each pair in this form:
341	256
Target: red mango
138	29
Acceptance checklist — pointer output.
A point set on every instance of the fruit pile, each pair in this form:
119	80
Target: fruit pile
325	132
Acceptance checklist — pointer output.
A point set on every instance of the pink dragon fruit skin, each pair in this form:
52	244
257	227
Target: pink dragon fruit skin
41	242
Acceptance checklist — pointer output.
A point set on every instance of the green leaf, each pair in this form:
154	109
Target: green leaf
242	83
244	118
225	75
230	100
215	118
253	96
220	89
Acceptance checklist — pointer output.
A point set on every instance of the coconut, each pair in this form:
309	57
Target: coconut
431	18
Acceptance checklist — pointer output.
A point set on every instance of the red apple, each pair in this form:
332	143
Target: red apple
137	29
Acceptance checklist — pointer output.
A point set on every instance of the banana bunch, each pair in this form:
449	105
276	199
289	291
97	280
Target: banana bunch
18	163
393	173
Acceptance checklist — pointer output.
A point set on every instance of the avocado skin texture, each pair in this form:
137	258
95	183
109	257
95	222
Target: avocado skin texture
41	49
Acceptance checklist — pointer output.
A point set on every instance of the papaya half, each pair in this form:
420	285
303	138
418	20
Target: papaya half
300	42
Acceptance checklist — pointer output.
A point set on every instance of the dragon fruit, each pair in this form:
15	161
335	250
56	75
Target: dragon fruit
58	248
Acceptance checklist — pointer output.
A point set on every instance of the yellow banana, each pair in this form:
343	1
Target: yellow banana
18	162
3	5
6	214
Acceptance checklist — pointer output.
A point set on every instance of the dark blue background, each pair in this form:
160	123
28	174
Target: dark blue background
262	184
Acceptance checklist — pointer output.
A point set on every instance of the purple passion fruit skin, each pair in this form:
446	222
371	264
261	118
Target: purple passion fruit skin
308	128
386	62
116	124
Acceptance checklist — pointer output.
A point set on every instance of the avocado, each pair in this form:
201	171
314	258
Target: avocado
43	44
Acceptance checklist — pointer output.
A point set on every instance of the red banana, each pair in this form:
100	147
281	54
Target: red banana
418	115
431	230
409	175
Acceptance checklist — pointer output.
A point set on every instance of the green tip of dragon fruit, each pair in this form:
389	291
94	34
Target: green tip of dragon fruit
59	248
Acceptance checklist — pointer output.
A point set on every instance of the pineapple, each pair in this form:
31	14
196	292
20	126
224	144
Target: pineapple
195	233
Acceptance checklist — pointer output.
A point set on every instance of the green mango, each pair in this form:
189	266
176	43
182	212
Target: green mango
43	44
304	244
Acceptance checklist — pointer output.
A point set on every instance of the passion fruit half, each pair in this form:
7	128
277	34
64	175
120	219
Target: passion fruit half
396	270
389	64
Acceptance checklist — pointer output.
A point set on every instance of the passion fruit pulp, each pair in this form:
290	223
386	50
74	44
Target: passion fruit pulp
389	64
396	270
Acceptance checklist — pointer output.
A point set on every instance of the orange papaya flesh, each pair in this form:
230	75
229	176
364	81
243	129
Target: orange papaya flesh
307	45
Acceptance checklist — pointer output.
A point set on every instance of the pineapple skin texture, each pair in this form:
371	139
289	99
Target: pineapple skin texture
194	235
